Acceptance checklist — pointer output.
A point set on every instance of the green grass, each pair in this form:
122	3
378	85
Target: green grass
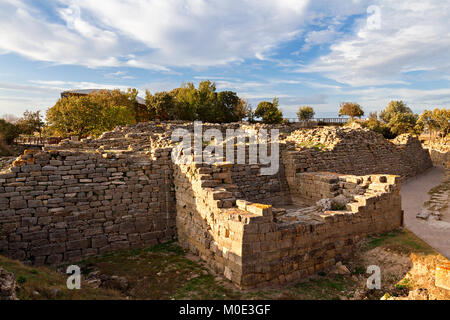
159	272
38	283
400	240
324	288
403	284
315	146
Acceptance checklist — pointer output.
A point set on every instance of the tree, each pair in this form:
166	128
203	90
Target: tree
227	106
305	113
90	115
441	118
141	113
399	118
186	101
243	110
269	112
351	109
425	122
30	123
161	105
392	108
207	101
402	123
8	131
374	124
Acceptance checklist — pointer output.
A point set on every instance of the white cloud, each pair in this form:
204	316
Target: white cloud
150	34
412	35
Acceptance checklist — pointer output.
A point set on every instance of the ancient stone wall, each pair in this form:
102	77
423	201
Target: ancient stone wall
268	189
256	245
310	240
61	205
205	224
349	151
439	152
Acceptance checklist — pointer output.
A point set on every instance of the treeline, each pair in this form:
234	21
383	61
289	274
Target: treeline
397	118
103	110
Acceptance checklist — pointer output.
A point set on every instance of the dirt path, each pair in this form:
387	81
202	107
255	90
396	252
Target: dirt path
414	193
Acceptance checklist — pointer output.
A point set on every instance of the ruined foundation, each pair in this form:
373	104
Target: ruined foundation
334	186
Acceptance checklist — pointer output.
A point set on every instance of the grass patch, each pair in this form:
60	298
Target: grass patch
43	283
159	272
310	144
403	284
400	240
326	288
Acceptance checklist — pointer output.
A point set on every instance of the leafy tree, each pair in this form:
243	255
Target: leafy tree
8	131
374	124
90	115
402	123
351	109
436	121
442	118
186	101
207	101
30	123
425	122
305	113
141	112
392	108
227	106
243	110
399	118
269	112
161	105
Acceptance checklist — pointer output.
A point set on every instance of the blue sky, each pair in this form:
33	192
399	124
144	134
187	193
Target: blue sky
316	53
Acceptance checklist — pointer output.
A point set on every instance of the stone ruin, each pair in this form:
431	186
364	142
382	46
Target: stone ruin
122	190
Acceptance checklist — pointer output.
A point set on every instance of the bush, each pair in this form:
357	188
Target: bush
376	125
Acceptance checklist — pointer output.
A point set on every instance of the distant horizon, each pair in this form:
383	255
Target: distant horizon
318	53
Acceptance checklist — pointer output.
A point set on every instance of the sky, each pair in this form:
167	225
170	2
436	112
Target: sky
318	53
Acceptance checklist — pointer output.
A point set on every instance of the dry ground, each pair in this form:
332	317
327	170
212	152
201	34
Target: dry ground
168	272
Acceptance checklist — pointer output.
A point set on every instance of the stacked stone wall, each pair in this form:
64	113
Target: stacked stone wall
254	245
305	243
62	205
358	152
439	152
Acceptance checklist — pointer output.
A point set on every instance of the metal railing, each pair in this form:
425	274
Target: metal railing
322	120
37	141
